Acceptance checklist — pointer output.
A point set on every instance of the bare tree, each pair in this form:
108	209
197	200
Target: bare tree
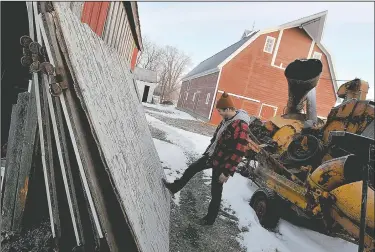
174	65
150	57
170	65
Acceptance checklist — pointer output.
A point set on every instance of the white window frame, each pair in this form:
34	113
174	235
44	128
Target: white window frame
269	39
186	95
208	98
267	105
317	55
194	96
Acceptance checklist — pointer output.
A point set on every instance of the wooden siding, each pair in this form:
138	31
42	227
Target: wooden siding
251	75
95	14
122	135
134	58
201	86
294	44
117	32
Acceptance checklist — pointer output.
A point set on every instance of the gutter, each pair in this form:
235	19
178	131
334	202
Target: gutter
131	9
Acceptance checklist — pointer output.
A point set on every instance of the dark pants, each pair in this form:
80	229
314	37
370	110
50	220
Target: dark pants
216	186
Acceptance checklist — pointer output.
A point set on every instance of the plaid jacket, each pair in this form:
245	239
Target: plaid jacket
231	147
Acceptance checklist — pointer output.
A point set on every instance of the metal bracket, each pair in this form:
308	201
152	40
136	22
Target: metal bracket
26	59
34	48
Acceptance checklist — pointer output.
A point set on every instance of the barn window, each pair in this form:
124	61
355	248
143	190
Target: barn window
268	46
317	55
186	95
208	98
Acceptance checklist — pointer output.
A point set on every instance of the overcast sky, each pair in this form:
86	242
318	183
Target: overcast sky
203	29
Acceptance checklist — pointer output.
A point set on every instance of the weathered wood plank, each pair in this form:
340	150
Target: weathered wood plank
26	162
45	149
121	132
13	160
44	133
49	160
80	141
62	152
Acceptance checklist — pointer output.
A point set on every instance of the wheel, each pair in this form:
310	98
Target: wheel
264	203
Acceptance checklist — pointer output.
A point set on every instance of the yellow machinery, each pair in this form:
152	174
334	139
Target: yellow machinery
315	167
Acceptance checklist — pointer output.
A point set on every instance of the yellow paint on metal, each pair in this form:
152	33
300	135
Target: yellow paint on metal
280	122
352	127
283	137
335	125
326	157
354	89
316	210
352	116
346	109
351	227
285	188
329	175
270	126
348	200
360	109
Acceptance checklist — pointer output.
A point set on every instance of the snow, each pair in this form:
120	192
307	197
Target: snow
170	111
173	158
236	195
188	141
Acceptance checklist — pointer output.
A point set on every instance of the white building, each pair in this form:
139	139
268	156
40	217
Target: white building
146	83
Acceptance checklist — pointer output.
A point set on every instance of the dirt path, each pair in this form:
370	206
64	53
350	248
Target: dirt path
185	234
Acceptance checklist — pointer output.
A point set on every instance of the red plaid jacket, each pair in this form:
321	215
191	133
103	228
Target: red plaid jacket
231	147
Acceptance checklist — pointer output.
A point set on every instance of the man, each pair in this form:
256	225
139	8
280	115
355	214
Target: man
226	150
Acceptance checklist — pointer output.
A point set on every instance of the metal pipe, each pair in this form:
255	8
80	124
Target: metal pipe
302	76
311	111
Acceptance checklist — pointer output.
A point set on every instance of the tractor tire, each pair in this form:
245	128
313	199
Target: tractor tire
265	204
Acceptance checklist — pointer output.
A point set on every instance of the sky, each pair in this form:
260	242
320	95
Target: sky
201	29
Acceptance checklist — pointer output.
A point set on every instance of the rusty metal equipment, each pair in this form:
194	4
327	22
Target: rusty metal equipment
323	170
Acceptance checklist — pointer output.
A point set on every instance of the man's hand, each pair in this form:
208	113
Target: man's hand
223	178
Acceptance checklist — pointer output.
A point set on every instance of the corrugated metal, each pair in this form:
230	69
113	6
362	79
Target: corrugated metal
95	14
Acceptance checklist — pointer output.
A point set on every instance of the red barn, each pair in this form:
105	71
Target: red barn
252	71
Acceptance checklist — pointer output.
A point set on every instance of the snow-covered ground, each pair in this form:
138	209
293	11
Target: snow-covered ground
236	195
170	111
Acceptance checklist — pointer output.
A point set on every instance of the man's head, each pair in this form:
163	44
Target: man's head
225	106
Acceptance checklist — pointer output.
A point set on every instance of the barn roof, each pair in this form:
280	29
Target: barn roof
211	64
